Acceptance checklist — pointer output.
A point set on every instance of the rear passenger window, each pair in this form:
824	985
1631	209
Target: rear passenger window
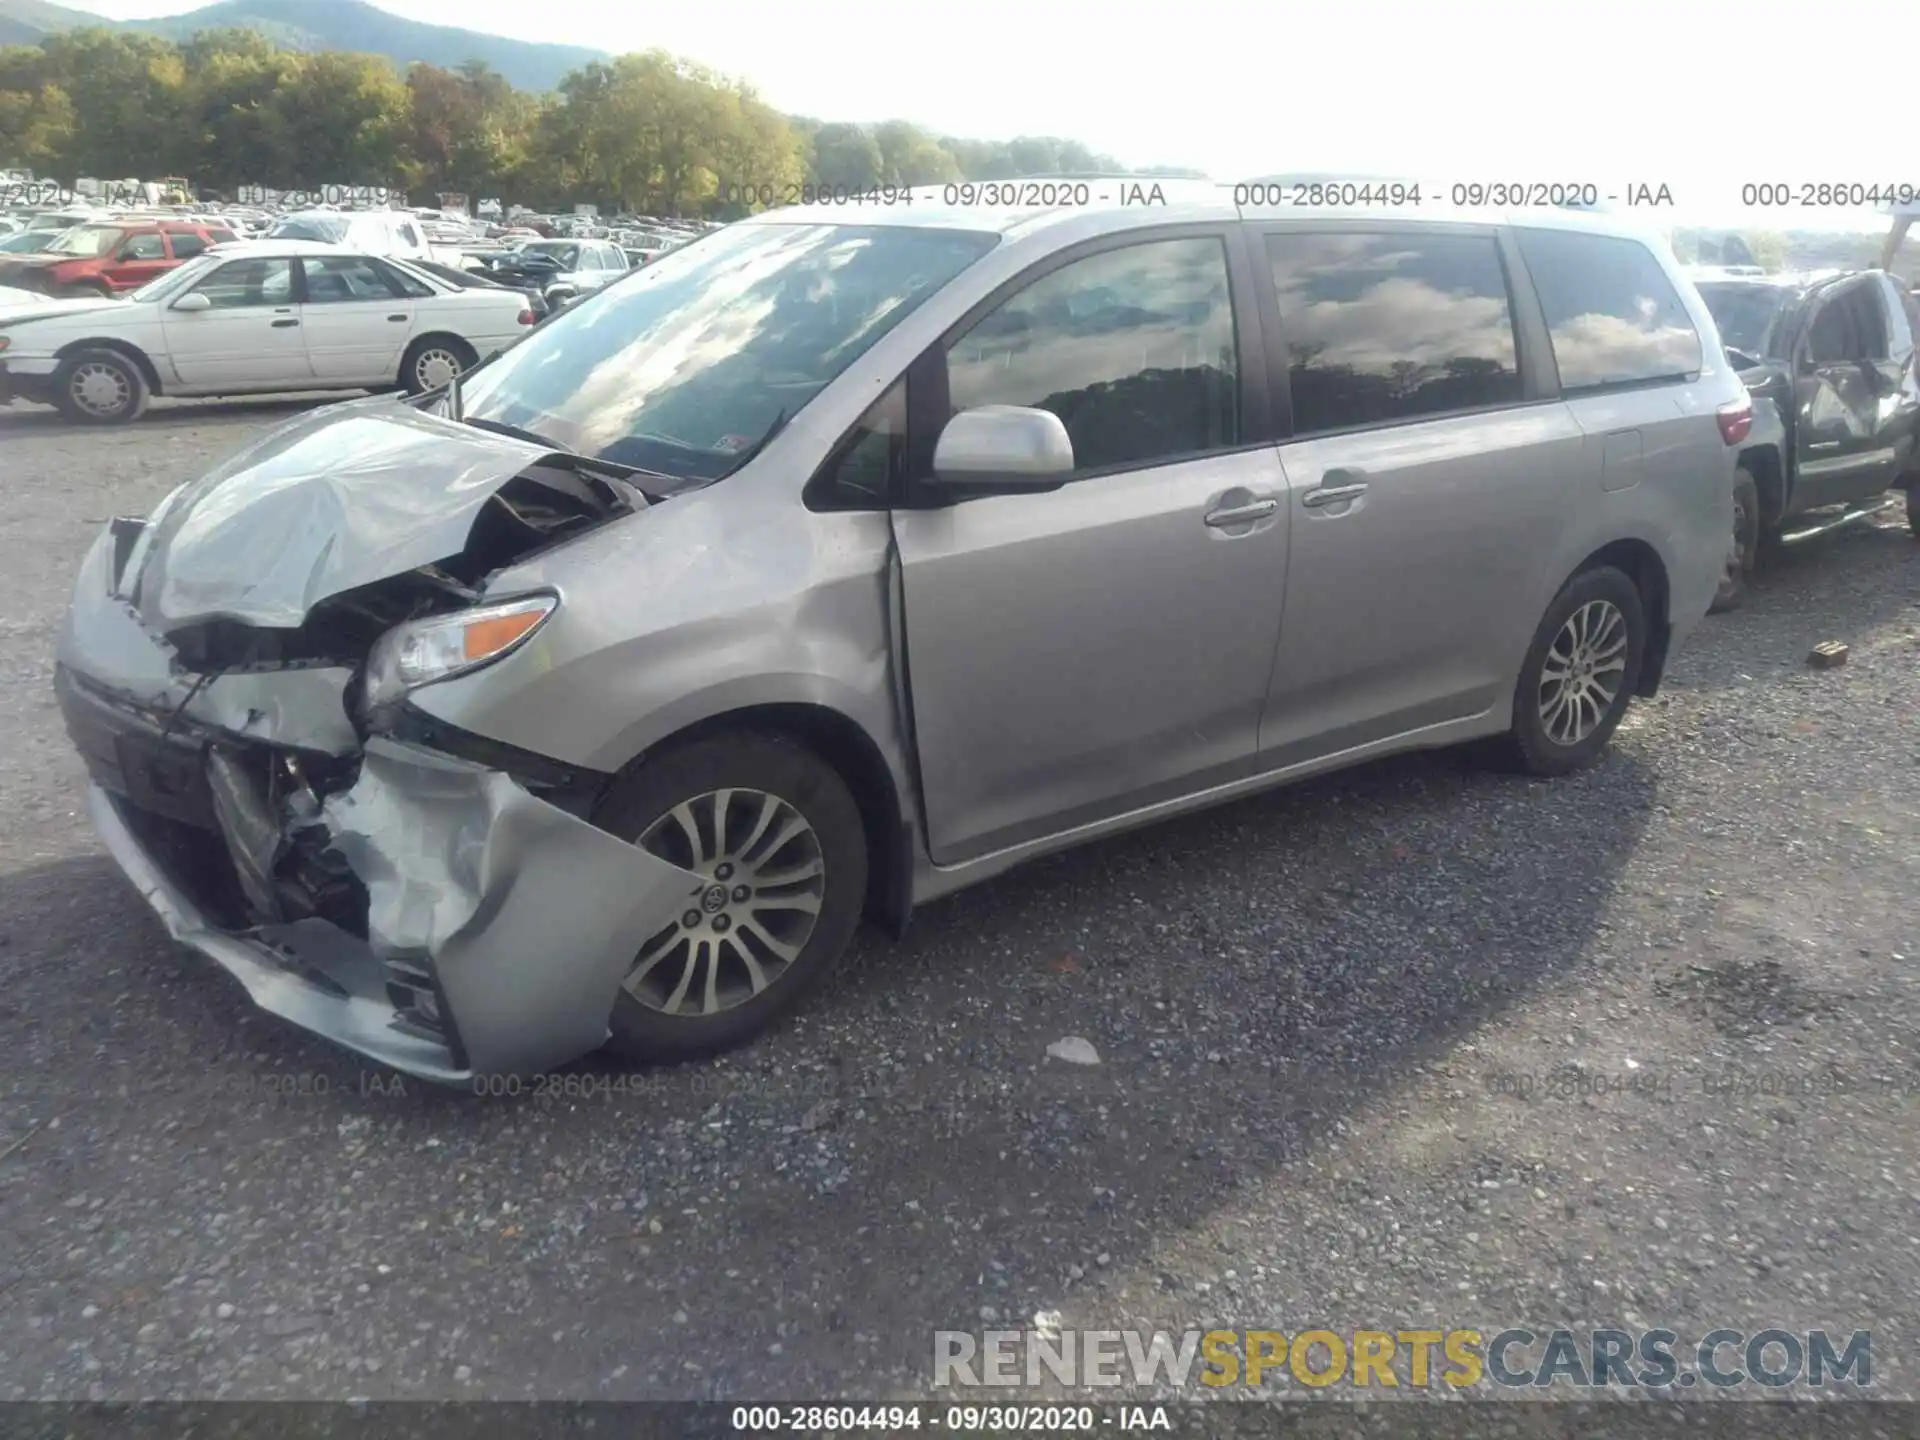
185	246
1614	317
1132	348
1389	327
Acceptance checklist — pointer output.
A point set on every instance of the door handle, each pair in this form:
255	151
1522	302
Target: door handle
1332	495
1242	514
284	324
398	319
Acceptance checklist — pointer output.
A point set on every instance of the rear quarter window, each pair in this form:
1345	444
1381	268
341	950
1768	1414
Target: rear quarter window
1613	315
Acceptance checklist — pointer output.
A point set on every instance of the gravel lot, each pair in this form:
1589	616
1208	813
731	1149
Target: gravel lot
1302	1004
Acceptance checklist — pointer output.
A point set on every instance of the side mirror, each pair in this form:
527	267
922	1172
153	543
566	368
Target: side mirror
192	303
1010	449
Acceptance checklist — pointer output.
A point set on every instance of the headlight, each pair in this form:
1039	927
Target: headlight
423	651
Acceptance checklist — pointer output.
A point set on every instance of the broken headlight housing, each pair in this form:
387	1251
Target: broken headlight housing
442	646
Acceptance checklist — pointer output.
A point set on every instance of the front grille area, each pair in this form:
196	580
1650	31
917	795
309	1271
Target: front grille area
157	767
137	754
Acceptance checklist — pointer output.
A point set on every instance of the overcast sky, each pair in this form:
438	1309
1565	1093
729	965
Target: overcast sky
1613	93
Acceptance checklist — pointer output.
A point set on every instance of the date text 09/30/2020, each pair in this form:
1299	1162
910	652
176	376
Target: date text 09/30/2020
1258	194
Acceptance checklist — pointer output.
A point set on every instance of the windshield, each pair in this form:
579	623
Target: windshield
27	240
326	229
85	240
687	363
177	279
566	256
1745	313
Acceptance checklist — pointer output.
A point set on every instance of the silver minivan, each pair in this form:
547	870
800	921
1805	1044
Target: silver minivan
854	555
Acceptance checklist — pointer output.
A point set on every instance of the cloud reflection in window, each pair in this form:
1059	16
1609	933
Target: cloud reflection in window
1133	349
1613	315
1389	327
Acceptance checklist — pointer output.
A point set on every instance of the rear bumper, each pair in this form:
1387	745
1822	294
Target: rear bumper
425	911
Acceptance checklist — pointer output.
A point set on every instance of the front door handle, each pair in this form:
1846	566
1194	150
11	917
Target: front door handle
398	319
1332	495
1241	514
284	324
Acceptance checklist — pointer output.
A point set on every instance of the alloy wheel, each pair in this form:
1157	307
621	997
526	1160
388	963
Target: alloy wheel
1581	676
765	879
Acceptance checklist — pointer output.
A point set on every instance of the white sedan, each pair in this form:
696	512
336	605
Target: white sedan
255	318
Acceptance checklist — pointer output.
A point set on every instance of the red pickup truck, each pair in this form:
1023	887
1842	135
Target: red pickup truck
110	257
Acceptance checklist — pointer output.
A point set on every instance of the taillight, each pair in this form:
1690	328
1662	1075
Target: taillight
1736	421
527	318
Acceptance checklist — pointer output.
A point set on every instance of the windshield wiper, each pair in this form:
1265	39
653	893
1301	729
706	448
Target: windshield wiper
779	424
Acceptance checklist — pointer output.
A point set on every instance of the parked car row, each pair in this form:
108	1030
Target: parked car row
822	568
108	258
256	317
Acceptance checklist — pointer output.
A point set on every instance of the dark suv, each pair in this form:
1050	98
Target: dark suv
110	257
1829	360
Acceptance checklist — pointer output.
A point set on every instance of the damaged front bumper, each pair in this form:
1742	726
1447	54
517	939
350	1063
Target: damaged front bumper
423	910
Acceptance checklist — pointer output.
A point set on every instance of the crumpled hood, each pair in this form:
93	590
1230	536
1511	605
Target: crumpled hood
334	500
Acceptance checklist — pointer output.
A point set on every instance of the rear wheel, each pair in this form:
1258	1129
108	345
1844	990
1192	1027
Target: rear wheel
1579	674
1743	552
778	837
100	387
434	361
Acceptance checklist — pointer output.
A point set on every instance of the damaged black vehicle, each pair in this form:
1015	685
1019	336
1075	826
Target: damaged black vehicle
1829	361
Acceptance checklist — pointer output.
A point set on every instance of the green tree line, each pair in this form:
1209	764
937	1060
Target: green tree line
645	132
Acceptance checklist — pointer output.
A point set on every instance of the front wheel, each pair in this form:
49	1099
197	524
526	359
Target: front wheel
435	361
100	387
778	838
1579	674
1743	549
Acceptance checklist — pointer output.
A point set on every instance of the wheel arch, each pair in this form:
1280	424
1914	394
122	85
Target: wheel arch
1642	564
148	371
1768	469
449	337
843	743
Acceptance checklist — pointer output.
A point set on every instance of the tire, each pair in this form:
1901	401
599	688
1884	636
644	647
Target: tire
100	387
1913	510
1744	552
434	361
1603	605
698	967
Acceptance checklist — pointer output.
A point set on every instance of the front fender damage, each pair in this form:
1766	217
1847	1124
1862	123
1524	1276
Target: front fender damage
431	913
498	928
527	918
